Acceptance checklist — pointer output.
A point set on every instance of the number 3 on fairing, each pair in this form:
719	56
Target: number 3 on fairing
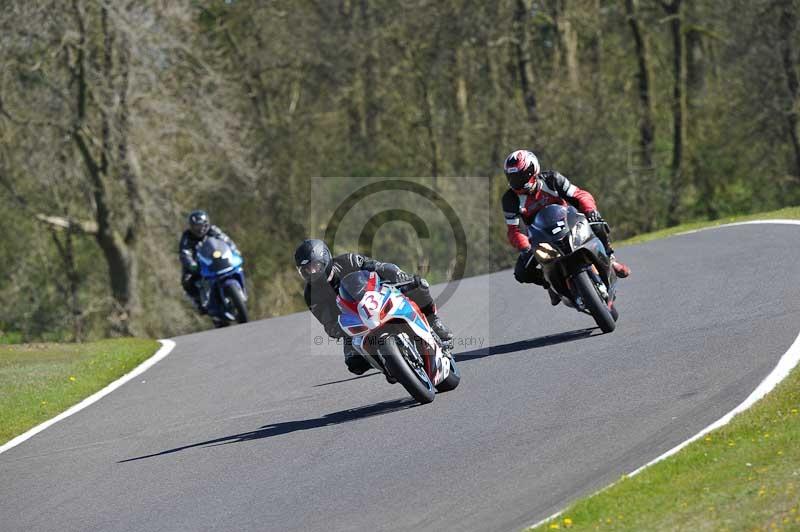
371	303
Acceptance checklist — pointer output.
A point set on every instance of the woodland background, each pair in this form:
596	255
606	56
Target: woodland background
118	117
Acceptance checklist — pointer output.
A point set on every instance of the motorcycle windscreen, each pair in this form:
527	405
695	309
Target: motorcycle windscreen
215	256
356	284
552	223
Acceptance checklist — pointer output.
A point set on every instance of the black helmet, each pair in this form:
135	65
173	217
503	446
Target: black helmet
313	260
199	223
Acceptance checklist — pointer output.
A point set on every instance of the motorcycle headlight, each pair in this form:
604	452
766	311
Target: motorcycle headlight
545	252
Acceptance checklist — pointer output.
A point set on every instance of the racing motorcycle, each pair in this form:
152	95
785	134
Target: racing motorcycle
575	262
222	289
392	334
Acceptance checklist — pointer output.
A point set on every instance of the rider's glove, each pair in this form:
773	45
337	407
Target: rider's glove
415	282
403	277
594	217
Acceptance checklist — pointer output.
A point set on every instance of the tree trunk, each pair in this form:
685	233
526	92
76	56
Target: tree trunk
497	107
117	247
674	10
461	96
596	54
427	121
71	291
647	128
370	73
569	42
787	27
353	82
523	59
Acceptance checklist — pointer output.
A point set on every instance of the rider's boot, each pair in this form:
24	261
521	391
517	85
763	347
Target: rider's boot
355	363
555	299
198	304
620	269
441	330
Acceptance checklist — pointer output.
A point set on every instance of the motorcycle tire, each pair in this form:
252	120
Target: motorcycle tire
414	380
614	313
595	304
234	292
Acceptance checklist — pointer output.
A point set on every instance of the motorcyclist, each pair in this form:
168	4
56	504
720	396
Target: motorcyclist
323	273
530	190
199	228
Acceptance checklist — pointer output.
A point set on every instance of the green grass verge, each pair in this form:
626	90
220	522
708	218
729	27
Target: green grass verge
39	381
744	476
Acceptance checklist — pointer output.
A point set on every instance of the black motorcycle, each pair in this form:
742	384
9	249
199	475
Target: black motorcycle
575	262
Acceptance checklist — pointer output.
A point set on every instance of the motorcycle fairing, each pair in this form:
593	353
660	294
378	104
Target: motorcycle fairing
379	304
580	248
217	258
220	265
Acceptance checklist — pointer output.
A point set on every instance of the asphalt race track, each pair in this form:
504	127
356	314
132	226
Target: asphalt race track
256	428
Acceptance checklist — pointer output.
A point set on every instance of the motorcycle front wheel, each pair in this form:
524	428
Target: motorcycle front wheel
452	380
594	303
403	367
234	293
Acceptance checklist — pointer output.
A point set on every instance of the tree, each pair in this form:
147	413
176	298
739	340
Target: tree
674	10
787	31
647	128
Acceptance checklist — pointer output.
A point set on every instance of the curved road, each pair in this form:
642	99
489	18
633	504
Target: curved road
256	428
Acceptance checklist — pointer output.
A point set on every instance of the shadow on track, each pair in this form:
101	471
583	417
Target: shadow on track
524	345
276	429
347	380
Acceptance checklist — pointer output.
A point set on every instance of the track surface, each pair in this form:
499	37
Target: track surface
248	428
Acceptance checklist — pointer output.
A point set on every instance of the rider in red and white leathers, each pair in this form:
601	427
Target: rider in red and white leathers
530	190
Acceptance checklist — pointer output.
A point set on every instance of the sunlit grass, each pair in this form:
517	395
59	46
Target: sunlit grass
39	381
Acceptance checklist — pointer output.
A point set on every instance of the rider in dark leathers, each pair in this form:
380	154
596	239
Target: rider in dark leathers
199	229
323	274
531	190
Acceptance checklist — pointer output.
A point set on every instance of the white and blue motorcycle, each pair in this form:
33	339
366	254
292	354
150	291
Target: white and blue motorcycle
392	334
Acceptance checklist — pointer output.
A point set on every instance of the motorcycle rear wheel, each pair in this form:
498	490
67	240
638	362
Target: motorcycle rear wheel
235	294
594	303
414	380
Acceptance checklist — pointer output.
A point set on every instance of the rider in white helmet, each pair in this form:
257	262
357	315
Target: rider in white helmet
530	190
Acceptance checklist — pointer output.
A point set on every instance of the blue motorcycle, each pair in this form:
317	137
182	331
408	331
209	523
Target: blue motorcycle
222	290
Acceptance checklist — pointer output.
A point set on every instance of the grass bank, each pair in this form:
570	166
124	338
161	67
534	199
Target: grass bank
39	381
744	476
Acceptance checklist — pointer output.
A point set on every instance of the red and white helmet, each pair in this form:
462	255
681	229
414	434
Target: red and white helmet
521	169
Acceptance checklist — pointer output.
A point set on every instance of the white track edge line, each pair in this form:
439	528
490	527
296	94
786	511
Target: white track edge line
733	224
163	351
785	365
